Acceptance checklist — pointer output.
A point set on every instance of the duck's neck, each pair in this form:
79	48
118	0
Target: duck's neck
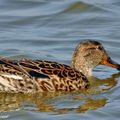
82	68
80	64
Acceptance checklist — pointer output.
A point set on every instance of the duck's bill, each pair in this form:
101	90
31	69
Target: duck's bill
109	62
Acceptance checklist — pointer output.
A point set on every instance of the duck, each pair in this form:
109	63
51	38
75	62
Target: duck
31	76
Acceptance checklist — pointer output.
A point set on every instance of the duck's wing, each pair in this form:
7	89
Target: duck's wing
11	67
39	68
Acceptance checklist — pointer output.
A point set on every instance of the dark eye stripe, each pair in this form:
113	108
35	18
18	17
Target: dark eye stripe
91	48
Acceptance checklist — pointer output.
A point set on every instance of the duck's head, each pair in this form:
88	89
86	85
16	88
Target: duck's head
90	53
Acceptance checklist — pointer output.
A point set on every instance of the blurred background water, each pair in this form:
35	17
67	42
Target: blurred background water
50	30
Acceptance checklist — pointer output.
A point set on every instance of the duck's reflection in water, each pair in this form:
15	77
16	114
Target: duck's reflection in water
46	102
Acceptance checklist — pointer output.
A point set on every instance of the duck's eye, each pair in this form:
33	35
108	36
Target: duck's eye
99	48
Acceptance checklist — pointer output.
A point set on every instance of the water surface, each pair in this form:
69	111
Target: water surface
50	30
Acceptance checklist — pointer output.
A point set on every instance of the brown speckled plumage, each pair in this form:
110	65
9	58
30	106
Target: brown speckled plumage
38	76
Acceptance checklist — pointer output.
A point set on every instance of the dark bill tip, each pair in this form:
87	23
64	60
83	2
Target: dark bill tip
118	68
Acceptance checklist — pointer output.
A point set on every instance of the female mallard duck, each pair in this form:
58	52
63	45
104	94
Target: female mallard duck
39	76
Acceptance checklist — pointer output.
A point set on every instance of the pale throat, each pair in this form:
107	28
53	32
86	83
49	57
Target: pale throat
87	71
83	67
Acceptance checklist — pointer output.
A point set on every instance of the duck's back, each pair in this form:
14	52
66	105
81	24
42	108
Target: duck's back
36	75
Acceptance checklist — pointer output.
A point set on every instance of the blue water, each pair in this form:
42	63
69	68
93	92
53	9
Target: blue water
50	30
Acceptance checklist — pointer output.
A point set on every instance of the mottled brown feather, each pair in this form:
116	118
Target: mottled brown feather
41	76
